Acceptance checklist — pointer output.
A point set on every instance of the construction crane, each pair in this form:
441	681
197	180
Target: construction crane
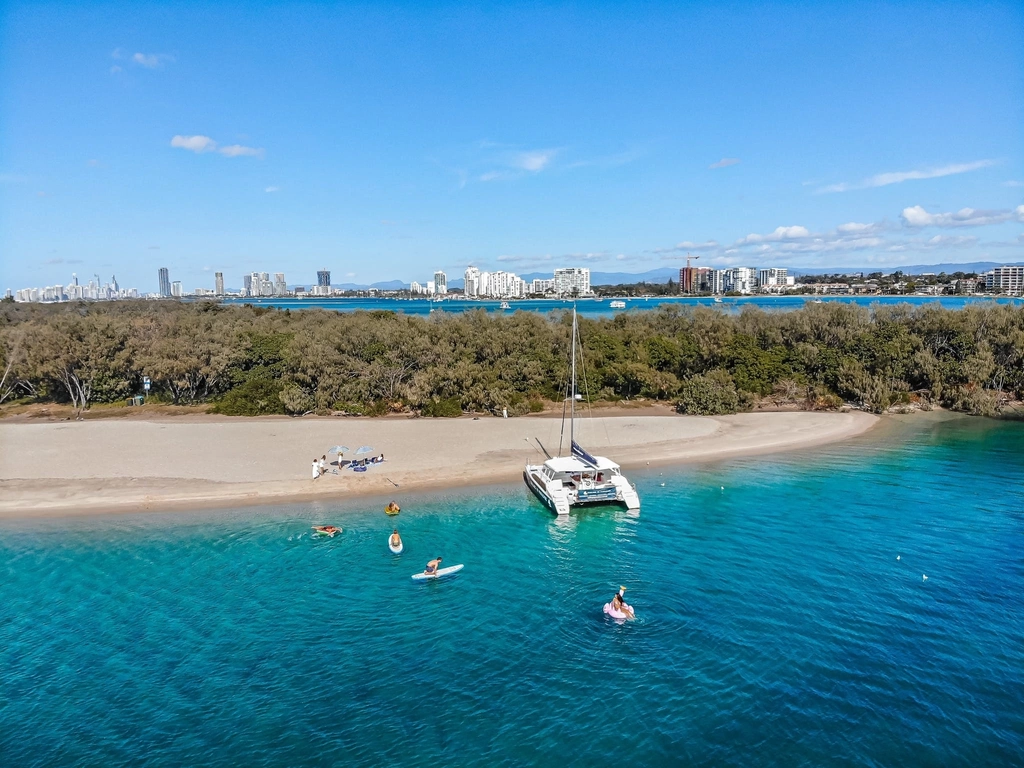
688	257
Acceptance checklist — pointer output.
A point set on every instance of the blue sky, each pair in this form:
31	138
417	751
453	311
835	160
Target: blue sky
388	140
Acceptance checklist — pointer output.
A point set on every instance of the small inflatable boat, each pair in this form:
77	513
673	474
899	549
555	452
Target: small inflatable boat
608	609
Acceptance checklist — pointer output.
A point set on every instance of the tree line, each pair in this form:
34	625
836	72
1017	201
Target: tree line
246	360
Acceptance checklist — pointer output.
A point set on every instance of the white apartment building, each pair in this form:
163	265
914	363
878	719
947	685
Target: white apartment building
440	283
416	289
542	286
1005	280
176	289
772	279
471	289
280	286
570	280
742	279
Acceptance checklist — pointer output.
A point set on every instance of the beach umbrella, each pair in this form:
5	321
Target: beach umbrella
339	449
364	449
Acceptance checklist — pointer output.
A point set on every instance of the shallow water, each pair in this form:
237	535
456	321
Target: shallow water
776	625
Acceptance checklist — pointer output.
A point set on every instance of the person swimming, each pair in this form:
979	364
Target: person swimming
432	566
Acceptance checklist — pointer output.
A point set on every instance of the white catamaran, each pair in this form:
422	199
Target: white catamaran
562	482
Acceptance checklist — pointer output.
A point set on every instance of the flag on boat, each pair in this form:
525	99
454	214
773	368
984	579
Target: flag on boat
582	455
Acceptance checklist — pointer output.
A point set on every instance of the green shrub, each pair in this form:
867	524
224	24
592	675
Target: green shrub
449	407
255	397
708	395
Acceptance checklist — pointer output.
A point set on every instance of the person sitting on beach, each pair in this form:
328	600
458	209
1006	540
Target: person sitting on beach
432	566
380	458
396	540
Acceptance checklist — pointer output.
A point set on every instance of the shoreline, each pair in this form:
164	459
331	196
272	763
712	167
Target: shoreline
121	466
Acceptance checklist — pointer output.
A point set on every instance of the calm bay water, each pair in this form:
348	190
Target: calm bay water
776	625
592	308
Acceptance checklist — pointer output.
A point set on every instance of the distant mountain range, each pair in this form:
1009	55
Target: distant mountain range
662	274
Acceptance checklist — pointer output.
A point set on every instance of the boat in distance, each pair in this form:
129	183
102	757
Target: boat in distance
617	304
563	482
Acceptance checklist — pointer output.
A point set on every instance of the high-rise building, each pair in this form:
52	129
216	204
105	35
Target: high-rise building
165	282
472	285
772	278
440	282
280	286
113	283
742	279
218	283
695	279
542	286
176	289
572	281
323	277
247	285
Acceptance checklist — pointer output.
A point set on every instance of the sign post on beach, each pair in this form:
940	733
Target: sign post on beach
145	384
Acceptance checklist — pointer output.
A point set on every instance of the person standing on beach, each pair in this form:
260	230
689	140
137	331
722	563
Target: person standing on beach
323	464
316	469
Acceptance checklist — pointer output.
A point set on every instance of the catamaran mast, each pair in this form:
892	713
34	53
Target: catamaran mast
572	403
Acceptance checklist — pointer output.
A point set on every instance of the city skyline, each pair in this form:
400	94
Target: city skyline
373	161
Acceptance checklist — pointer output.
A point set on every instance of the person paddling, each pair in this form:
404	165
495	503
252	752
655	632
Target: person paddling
396	540
432	566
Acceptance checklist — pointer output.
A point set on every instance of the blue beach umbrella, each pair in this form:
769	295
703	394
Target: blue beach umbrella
339	449
364	449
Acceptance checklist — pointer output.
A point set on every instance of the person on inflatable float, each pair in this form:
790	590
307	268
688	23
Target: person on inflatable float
618	604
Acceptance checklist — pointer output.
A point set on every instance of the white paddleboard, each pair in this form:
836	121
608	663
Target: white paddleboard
441	572
397	550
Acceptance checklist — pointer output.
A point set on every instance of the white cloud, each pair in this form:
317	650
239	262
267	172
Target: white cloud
534	161
917	217
272	189
600	256
1013	183
688	245
897	177
855	228
115	69
725	162
194	143
200	144
152	60
779	235
237	150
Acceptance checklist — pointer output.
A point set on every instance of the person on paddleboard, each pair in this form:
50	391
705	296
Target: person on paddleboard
396	540
432	566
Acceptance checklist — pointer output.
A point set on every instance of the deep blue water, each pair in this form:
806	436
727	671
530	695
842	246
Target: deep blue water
592	308
776	625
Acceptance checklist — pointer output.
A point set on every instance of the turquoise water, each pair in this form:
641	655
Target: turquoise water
776	625
591	308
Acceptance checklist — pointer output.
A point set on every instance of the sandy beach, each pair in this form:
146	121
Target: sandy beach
133	464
